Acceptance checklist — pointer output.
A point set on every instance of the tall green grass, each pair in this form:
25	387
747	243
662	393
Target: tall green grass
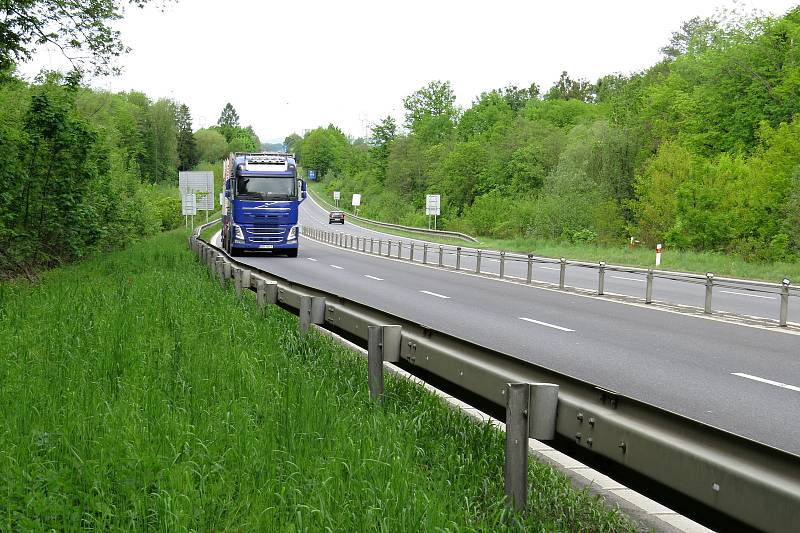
135	394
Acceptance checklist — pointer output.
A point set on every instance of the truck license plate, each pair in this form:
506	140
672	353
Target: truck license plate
265	246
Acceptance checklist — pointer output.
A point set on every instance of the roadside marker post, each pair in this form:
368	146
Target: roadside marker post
709	289
658	254
601	279
784	302
648	295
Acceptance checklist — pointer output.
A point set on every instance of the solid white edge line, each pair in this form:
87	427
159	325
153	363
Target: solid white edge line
629	279
545	324
373	277
435	294
750	295
767	381
337	267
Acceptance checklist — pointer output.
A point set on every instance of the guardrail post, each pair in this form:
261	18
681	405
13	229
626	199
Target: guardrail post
411	252
364	244
371	244
221	272
709	289
458	257
237	281
389	248
304	314
648	293
562	273
375	362
601	278
478	261
317	310
227	267
399	249
529	276
266	293
358	243
441	254
784	302
425	253
502	264
246	279
517	429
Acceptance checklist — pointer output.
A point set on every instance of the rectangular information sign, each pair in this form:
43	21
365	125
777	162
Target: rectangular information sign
188	204
432	204
356	200
200	182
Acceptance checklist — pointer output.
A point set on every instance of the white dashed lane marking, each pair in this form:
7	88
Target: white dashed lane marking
767	381
750	295
373	277
547	324
435	294
337	267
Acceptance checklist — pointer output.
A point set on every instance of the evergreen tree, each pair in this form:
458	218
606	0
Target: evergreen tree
187	146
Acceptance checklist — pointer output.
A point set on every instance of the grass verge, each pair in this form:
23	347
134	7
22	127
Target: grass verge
136	394
677	260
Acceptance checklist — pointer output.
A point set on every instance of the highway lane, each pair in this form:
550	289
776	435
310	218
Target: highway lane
753	301
692	366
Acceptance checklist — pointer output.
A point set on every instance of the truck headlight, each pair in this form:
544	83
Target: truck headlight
292	234
238	232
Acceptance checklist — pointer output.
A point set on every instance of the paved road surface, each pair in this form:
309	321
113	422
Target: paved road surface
742	379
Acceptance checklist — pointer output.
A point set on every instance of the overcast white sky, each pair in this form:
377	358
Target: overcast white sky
295	65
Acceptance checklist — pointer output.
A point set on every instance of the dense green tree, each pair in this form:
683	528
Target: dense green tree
187	145
517	98
293	143
383	133
568	89
324	150
83	31
211	145
431	113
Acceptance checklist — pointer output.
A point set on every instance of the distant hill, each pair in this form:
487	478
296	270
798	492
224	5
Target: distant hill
273	147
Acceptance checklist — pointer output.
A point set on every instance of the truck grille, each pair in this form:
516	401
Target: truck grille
265	235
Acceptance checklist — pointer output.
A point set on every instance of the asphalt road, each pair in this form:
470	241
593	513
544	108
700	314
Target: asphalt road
742	379
741	299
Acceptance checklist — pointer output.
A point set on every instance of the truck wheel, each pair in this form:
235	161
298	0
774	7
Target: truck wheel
292	252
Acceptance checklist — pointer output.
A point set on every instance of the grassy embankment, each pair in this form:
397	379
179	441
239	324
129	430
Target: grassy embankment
677	260
136	394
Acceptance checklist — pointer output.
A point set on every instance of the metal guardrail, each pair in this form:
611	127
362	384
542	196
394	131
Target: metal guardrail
431	254
741	479
410	229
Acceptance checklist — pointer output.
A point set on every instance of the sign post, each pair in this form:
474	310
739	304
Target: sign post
356	202
337	195
432	208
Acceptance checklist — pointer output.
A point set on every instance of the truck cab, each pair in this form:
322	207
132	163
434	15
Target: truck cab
262	201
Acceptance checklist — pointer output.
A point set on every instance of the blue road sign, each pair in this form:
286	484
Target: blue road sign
312	175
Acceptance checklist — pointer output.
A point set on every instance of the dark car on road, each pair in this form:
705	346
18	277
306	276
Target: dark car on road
336	216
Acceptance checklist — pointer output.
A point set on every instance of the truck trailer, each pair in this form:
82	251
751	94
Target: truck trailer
262	197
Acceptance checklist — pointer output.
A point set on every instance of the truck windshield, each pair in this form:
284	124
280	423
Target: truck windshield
266	188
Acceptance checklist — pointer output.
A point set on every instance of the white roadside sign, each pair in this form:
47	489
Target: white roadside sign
433	204
356	200
337	195
188	204
200	182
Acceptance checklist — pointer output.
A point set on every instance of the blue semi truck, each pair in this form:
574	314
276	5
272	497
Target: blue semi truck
261	201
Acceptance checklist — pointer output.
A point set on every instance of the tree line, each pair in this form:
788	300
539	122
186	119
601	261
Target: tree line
700	151
83	170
